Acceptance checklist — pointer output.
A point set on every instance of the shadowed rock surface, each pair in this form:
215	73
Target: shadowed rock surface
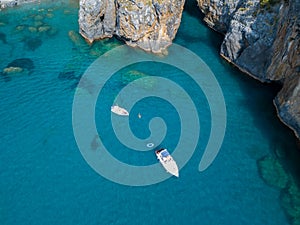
24	63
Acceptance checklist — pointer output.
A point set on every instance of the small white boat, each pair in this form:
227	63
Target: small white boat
167	161
119	110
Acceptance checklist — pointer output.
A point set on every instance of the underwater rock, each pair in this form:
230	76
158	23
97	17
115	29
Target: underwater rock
290	201
73	4
132	75
38	17
52	32
3	38
99	47
77	40
67	12
69	75
20	28
49	15
272	172
32	29
37	23
32	43
44	28
12	70
5	77
95	144
23	66
24	63
96	52
86	86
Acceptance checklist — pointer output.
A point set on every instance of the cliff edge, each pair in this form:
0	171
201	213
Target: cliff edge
148	24
262	39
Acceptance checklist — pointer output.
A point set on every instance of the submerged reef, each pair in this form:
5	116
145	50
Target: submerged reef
32	43
3	38
274	174
290	201
24	63
131	75
22	66
33	28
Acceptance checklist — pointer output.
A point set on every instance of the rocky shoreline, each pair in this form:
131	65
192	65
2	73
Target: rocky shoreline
262	38
11	3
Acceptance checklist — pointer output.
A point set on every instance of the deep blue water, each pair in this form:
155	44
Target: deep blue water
44	178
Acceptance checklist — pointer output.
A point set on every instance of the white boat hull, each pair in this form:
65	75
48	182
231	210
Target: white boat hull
119	110
167	162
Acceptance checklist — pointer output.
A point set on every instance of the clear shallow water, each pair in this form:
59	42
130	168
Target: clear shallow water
45	180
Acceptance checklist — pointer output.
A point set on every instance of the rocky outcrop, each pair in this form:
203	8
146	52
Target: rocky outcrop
262	39
287	103
10	3
150	25
97	19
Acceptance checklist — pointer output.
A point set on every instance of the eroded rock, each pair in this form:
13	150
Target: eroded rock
272	172
97	19
262	38
150	25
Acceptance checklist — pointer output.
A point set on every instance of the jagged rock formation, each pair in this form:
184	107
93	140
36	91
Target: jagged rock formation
97	19
11	3
150	25
262	38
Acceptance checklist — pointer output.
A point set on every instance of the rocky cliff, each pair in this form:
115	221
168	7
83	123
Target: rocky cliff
148	24
261	36
10	3
262	39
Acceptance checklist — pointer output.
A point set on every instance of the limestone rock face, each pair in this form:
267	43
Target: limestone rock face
262	38
286	48
97	19
218	12
11	3
150	25
287	103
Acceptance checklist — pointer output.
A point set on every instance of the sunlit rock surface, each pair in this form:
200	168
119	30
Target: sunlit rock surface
150	25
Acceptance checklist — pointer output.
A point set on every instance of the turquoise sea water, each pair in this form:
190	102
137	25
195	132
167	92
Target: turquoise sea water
45	180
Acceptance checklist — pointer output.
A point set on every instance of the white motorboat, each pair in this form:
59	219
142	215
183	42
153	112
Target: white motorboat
119	110
167	161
